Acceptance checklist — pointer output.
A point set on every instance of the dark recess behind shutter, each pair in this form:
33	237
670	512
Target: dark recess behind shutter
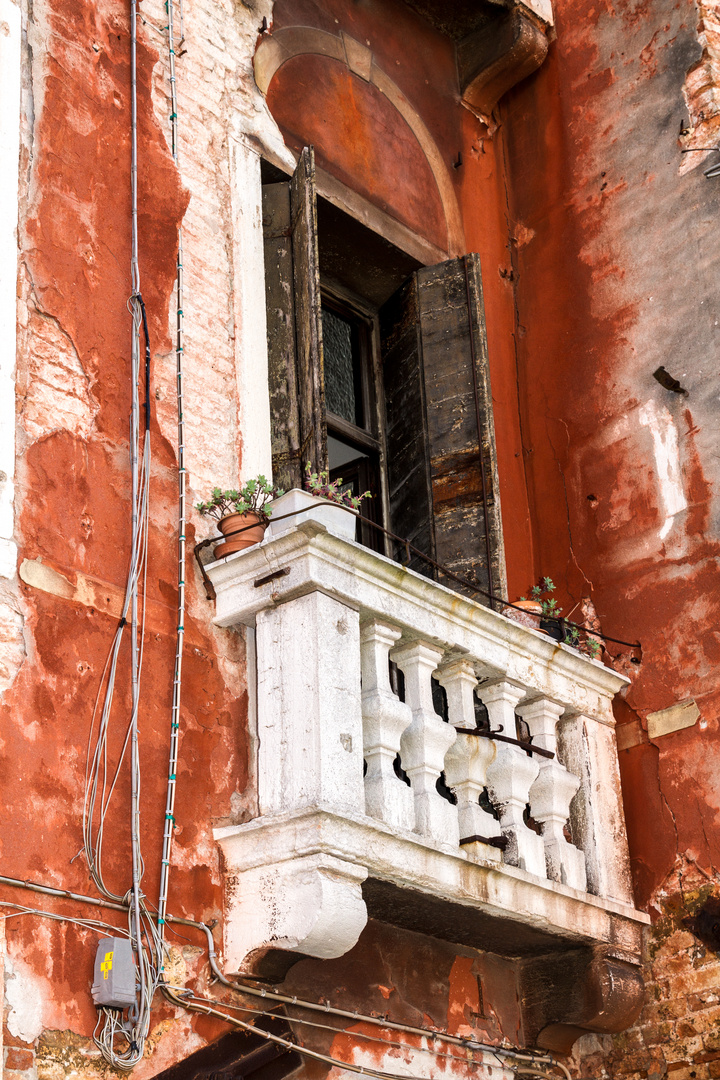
434	332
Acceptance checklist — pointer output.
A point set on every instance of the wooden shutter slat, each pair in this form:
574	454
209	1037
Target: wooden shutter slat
308	313
280	311
442	473
406	440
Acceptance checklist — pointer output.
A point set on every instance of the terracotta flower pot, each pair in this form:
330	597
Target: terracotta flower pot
529	616
241	540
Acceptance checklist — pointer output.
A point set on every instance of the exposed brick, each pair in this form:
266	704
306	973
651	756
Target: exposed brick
19	1059
657	1034
701	1001
12	1040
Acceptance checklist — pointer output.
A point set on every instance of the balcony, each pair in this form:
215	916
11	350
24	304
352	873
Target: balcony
375	807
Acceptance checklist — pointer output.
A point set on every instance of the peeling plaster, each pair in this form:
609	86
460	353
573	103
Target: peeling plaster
24	993
667	461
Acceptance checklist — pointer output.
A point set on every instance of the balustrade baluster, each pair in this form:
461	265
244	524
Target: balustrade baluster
467	760
551	795
510	777
385	718
424	744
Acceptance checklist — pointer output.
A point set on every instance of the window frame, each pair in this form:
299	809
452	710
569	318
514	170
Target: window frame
371	438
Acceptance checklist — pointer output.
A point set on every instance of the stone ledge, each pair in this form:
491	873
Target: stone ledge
486	906
366	581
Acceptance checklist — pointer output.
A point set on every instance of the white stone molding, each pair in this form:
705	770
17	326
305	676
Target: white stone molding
385	718
510	777
308	706
589	750
10	55
424	744
412	862
466	762
551	795
251	361
308	592
372	583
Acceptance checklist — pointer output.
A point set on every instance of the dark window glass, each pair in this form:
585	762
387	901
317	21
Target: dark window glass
340	350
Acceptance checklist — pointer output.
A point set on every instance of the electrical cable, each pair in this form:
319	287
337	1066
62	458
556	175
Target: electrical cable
455	1040
97	925
287	1043
100	786
532	1057
169	820
357	1034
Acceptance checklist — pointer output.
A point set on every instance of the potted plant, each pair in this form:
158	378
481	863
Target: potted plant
321	500
542	612
536	609
242	515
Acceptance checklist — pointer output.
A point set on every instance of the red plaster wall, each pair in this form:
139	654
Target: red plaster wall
73	515
616	273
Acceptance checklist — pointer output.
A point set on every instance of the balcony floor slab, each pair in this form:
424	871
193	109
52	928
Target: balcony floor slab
411	884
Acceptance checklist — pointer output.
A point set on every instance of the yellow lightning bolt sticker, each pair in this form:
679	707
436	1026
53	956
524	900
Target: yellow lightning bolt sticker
106	966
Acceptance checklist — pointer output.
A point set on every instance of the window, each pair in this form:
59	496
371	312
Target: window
378	372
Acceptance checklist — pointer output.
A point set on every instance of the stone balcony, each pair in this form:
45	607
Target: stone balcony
373	806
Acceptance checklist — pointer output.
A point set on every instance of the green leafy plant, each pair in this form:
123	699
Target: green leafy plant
319	483
542	593
253	496
591	646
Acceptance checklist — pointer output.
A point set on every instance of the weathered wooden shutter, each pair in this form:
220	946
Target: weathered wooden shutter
440	437
295	356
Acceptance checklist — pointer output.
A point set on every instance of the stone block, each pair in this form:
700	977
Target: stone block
675	718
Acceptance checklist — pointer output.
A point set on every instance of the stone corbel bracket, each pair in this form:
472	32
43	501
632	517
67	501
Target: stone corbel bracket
499	55
279	912
590	990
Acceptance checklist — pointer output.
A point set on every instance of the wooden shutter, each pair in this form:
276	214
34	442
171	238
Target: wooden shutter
440	437
295	356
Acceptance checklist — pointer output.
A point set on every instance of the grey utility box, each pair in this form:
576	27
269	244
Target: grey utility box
114	982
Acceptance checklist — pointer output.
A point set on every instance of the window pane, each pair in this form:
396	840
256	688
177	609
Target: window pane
341	397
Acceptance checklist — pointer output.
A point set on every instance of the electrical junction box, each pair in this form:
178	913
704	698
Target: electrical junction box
114	982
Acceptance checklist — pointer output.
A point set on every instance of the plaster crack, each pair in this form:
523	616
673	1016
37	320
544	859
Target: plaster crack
55	388
567	501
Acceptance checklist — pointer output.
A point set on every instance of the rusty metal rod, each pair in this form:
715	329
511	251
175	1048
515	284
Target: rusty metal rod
528	747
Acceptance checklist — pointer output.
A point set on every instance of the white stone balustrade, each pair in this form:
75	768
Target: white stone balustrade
551	795
424	744
510	778
385	718
467	760
339	836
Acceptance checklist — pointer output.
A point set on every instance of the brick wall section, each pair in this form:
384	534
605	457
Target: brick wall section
678	1033
18	1057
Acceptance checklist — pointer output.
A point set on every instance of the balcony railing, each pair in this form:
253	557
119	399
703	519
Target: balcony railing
354	817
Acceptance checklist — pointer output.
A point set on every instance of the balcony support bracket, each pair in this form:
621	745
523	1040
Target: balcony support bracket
590	991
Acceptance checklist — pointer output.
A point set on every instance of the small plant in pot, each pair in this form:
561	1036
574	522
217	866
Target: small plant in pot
544	613
242	516
539	607
319	484
549	609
